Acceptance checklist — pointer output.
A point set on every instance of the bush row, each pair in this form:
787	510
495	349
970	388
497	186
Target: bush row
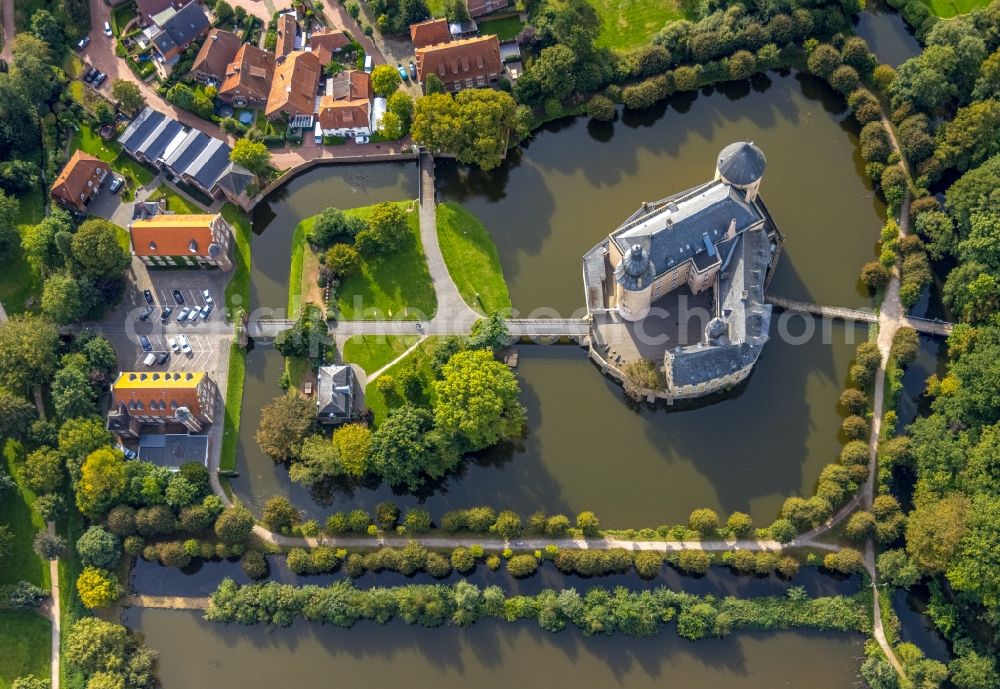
597	611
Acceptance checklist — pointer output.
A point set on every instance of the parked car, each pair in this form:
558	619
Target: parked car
178	297
361	139
402	72
116	184
174	344
148	296
107	30
369	64
144	343
193	314
185	347
182	316
413	70
162	357
89	76
208	296
146	313
149	360
205	310
83	43
99	79
129	454
165	314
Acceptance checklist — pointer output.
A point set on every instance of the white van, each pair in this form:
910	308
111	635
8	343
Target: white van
318	134
149	360
369	65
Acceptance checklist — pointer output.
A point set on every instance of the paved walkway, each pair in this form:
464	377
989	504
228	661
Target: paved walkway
52	611
165	602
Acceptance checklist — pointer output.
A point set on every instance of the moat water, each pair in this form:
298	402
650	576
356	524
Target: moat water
586	448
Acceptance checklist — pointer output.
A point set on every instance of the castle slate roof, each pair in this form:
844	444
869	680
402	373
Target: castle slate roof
742	162
685	226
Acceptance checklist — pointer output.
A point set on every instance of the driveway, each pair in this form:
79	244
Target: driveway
100	54
285	158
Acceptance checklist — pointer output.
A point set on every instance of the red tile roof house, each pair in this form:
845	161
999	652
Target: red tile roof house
346	109
468	63
248	78
287	26
79	181
188	240
215	54
430	32
326	43
293	88
477	8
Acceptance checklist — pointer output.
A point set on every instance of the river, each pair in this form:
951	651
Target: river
489	655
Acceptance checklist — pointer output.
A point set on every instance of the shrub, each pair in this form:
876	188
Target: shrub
234	524
782	530
438	566
97	588
859	526
855	427
588	523
905	346
846	561
600	108
855	452
864	105
493	562
507	524
254	565
462	560
874	142
173	554
280	515
386	514
875	276
854	401
704	521
694	561
98	548
823	60
741	560
739	523
417	521
844	79
648	564
521	566
787	566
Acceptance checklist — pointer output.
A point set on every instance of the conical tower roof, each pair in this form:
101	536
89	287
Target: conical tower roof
635	271
742	163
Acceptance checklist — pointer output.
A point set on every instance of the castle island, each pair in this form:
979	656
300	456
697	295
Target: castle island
708	253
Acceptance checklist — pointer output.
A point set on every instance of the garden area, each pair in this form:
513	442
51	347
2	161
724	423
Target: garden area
382	394
25	639
237	297
390	281
472	259
505	28
631	23
135	173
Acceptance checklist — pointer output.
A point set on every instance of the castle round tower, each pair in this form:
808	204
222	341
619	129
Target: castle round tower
634	277
741	165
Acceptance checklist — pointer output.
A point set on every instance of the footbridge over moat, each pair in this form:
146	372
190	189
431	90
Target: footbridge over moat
921	325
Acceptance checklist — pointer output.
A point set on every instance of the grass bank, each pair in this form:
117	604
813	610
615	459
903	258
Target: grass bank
237	297
372	352
953	8
420	358
472	259
25	640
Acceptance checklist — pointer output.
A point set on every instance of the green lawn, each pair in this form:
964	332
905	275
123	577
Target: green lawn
419	357
18	282
393	283
506	29
631	23
238	289
296	289
25	638
176	202
437	7
952	8
89	141
372	352
237	296
472	259
234	407
24	523
121	16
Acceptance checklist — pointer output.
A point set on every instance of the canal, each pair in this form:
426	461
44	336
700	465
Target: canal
586	448
489	655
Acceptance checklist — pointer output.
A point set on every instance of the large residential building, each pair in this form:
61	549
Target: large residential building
346	108
163	400
173	30
172	240
196	158
464	64
215	55
248	78
335	394
716	236
79	181
293	88
478	8
430	32
326	43
287	30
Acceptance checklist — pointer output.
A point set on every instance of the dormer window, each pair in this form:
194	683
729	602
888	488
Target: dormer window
193	247
152	246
